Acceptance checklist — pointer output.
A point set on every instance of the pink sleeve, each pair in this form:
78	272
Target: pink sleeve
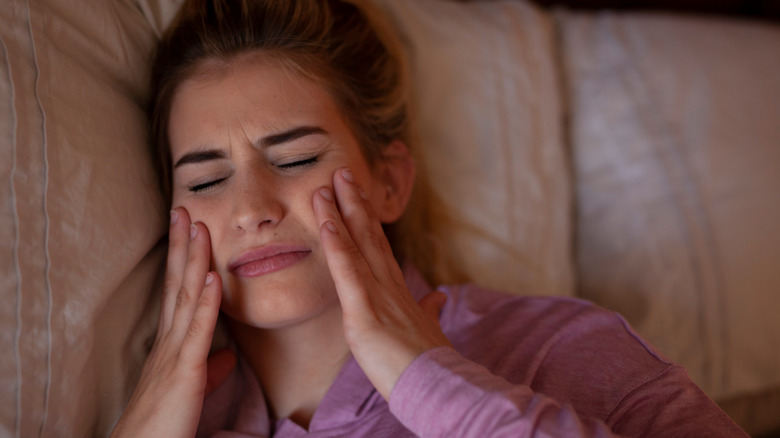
443	394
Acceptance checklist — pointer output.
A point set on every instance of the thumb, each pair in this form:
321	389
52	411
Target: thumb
432	304
220	365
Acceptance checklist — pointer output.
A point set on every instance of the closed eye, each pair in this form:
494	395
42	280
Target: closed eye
299	163
207	185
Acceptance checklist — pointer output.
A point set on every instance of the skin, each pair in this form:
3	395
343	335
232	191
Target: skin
239	186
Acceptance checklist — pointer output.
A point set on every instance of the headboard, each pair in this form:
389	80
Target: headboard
758	9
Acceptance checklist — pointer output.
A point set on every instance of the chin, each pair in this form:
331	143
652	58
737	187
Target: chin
276	304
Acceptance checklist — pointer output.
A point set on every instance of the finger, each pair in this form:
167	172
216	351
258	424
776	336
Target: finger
363	225
220	364
346	264
194	278
432	304
200	330
178	246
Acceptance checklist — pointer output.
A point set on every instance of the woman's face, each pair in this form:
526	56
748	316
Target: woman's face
249	148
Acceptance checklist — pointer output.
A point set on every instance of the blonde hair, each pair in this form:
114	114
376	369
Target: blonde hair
343	46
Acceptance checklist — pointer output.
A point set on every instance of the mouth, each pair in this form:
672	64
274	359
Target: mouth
266	260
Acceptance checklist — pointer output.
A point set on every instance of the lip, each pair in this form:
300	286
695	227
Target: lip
268	259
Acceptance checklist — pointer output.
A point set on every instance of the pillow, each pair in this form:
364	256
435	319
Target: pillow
487	105
675	140
81	214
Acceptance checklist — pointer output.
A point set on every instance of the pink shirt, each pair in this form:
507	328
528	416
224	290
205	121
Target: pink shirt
522	367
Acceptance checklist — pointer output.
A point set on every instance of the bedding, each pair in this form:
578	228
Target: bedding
675	135
81	214
489	125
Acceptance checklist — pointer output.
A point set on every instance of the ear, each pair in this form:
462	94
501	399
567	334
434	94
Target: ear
395	173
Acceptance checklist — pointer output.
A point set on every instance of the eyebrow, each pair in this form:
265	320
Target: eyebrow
290	135
265	142
200	157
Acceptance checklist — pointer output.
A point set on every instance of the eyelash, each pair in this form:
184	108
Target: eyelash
208	185
287	166
300	163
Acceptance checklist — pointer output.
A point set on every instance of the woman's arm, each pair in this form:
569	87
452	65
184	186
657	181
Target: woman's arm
432	389
444	394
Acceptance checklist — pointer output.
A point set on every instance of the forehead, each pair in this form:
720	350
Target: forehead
257	97
249	83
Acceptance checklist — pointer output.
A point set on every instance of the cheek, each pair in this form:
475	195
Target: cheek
209	213
212	216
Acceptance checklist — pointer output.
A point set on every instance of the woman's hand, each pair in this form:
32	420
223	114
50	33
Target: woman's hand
385	327
169	396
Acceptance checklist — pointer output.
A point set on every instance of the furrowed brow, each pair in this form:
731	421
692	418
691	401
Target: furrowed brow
265	142
200	157
288	136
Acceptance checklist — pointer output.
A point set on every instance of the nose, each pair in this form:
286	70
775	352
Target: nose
256	203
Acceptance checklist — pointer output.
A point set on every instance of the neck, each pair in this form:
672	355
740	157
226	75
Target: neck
295	365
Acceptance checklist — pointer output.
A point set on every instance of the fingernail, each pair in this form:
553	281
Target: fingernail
362	194
174	217
209	278
347	174
331	226
193	231
327	194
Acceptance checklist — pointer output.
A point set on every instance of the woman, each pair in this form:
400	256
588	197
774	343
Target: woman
282	132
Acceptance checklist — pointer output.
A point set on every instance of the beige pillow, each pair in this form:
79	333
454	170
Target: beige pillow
81	213
676	143
487	103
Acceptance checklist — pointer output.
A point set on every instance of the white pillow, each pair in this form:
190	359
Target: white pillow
487	104
676	144
81	214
